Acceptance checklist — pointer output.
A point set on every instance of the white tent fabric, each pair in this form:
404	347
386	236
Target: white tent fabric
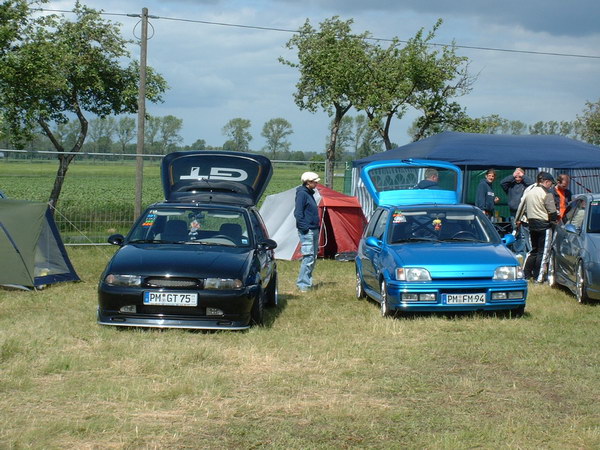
277	212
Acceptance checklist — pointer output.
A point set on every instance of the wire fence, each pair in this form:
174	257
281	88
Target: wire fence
98	196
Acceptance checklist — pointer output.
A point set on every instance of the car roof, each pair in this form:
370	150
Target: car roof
205	176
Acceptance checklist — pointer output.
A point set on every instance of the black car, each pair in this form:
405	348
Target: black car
201	259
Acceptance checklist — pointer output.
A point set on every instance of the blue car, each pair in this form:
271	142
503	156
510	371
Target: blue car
423	251
575	257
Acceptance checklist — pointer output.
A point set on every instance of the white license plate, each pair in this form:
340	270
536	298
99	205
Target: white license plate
465	298
170	299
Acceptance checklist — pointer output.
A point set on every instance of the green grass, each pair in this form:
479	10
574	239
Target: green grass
326	371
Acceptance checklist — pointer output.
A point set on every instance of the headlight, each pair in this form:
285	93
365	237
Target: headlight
222	283
508	273
114	279
412	274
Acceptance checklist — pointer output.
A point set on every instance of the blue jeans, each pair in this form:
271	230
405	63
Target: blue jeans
309	248
522	244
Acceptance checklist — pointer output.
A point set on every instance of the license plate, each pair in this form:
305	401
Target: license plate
465	298
170	299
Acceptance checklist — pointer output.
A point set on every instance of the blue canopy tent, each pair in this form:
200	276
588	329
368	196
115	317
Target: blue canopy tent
471	151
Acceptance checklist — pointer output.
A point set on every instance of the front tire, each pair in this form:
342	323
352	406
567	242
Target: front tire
552	271
580	284
360	290
385	307
273	292
257	313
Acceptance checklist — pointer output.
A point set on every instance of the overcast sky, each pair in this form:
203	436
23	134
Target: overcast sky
219	72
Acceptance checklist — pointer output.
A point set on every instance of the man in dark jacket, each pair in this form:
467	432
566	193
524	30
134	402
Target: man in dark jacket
306	213
485	199
514	185
431	179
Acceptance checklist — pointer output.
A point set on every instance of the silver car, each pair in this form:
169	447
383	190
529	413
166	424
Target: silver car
575	257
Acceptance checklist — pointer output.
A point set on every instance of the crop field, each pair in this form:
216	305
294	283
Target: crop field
325	371
98	198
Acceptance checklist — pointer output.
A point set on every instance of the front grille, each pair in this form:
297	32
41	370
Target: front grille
179	283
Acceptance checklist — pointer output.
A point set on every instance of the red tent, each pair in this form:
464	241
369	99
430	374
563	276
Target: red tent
342	223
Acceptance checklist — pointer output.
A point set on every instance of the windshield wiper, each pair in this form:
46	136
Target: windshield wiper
461	239
415	239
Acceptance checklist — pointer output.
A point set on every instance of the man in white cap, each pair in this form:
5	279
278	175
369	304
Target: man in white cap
306	213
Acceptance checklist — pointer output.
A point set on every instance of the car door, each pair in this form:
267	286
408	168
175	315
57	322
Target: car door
266	258
372	253
571	238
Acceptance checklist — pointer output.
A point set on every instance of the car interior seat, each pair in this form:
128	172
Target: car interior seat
233	231
175	230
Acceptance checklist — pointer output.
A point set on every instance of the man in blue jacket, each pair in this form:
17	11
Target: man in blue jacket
514	185
306	213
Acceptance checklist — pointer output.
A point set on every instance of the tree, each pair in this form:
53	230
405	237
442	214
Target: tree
101	131
151	131
125	131
588	125
275	131
331	62
54	68
170	126
240	137
199	144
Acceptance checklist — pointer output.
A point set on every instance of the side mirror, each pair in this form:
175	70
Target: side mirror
373	242
570	228
268	244
116	239
508	239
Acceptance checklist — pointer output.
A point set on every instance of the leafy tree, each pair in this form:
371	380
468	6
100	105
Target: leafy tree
562	128
101	131
237	130
588	125
54	68
275	131
331	62
199	144
125	131
170	127
151	131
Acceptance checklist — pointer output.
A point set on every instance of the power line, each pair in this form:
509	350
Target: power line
286	30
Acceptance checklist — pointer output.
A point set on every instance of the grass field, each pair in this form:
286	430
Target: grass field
326	371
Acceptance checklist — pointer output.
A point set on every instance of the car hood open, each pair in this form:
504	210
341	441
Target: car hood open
395	182
207	176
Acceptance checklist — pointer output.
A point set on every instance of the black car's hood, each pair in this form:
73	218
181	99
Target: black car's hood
181	260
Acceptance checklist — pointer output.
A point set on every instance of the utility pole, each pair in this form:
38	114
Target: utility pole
139	166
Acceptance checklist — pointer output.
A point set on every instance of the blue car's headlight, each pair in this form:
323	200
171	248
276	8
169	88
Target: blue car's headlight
223	283
115	279
412	274
508	273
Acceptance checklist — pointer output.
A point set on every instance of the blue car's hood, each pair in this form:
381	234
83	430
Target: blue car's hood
181	260
452	260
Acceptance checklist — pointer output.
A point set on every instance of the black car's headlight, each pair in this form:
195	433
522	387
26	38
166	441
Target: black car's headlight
223	283
115	279
508	273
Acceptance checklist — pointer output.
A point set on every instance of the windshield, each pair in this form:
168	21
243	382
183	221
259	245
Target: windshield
441	225
192	226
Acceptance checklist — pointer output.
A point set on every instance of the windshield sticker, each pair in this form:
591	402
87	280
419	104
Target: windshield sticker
150	219
398	217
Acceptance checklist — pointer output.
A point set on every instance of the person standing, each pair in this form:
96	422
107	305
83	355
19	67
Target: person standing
562	194
514	185
539	207
485	199
306	214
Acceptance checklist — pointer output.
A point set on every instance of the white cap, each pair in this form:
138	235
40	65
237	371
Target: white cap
309	176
